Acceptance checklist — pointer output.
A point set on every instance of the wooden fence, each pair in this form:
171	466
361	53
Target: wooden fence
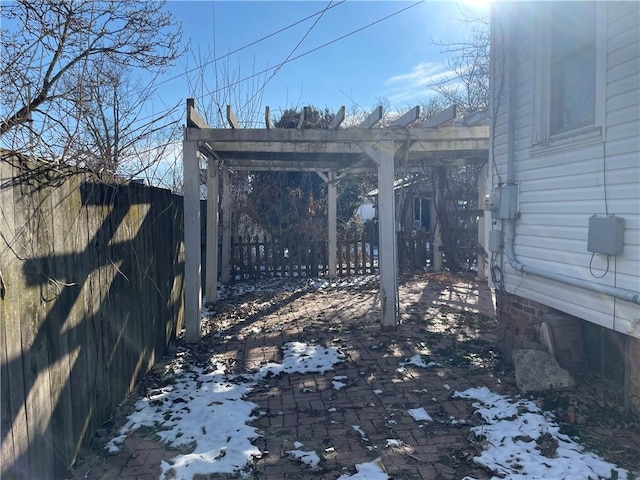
258	257
90	295
415	250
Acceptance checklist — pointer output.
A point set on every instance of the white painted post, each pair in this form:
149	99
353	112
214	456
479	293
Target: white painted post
436	247
387	237
483	225
211	290
225	277
192	240
332	197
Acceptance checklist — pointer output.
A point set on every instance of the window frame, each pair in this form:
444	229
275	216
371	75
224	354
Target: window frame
424	217
543	139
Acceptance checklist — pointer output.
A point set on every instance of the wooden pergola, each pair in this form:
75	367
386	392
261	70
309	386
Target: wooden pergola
333	153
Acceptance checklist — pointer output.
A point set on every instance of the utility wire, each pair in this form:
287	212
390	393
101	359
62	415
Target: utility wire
316	48
335	40
272	34
277	69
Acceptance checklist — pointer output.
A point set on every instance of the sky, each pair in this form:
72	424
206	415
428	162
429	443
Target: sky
393	59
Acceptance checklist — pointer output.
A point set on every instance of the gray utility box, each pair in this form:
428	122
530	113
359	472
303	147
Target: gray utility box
495	240
508	207
606	235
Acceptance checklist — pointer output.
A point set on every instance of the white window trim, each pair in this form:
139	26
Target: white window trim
419	212
542	141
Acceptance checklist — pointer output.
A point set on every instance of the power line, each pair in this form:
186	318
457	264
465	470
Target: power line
335	40
272	34
273	74
315	49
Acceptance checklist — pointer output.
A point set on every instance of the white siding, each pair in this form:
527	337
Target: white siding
561	187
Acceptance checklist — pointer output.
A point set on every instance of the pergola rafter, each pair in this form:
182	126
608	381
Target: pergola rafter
332	153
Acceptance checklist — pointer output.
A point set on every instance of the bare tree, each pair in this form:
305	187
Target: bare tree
69	89
468	60
217	83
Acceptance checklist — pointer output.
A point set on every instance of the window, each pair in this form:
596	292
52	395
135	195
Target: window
569	39
573	66
421	214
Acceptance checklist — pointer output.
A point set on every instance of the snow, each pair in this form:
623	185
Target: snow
303	358
418	361
360	432
367	471
392	442
180	410
513	430
338	383
310	458
420	414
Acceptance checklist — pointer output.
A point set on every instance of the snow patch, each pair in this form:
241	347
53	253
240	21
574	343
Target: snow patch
309	458
205	412
392	442
338	383
420	414
523	442
418	361
367	471
360	432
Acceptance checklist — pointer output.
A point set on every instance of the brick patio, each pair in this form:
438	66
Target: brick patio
452	323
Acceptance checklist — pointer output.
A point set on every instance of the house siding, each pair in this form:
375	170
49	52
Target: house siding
561	187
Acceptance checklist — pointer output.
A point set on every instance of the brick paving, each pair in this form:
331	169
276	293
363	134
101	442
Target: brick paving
451	322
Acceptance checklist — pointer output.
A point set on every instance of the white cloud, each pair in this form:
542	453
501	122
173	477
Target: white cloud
409	86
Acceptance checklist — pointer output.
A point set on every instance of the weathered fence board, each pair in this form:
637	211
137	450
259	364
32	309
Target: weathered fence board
94	279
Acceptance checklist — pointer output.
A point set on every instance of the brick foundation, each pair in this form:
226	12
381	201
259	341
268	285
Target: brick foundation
576	342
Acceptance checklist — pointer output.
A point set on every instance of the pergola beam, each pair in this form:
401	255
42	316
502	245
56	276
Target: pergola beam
231	118
303	115
373	118
267	118
338	119
194	120
407	119
290	139
440	118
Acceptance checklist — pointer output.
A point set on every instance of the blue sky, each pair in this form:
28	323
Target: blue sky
393	59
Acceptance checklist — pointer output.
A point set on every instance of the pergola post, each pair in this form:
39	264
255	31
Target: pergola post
387	237
436	244
383	156
226	226
211	290
332	198
192	239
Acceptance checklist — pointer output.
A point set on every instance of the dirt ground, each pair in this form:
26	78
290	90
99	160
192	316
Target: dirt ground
448	320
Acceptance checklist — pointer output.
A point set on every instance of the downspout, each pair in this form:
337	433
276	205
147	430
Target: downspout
510	223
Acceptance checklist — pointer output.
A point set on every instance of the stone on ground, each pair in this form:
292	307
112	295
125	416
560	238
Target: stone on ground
537	370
